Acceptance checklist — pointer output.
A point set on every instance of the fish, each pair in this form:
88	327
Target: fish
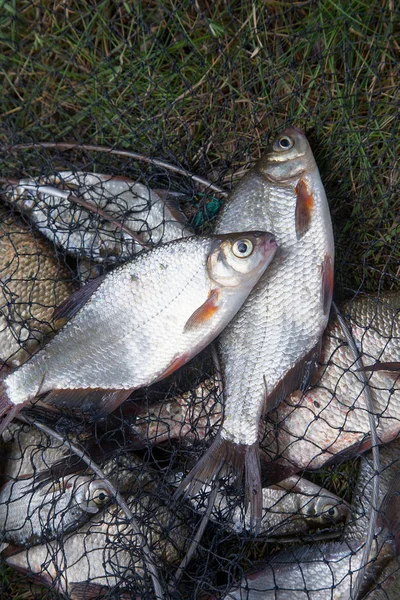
27	451
36	506
105	553
273	345
327	571
330	422
31	514
140	322
152	214
32	284
293	507
387	586
188	417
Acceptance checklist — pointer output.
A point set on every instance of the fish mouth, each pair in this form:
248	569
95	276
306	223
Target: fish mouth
293	128
270	243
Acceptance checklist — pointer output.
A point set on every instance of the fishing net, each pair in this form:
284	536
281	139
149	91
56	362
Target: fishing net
115	117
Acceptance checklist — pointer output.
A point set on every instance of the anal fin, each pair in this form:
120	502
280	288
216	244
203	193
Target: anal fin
298	377
99	402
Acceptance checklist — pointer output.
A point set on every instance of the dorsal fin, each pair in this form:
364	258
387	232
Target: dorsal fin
74	303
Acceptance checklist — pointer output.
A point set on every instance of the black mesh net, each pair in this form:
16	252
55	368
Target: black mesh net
124	125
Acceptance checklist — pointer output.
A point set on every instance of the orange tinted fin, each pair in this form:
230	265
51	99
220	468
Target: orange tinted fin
74	303
327	283
304	209
99	402
224	456
176	364
383	366
204	312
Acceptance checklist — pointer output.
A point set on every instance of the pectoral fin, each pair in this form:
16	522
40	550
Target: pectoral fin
205	312
304	209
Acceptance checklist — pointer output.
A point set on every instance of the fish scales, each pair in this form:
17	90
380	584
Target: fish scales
294	507
328	571
331	417
106	552
32	283
145	319
80	232
271	348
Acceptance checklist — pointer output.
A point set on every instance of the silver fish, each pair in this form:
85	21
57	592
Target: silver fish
294	506
31	514
105	552
331	418
78	231
27	451
175	298
327	571
32	283
272	347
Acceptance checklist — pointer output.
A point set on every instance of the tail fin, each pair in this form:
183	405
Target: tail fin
224	456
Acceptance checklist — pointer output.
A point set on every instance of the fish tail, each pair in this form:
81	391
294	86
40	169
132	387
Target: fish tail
224	456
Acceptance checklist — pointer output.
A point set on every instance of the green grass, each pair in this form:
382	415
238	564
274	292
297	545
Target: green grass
204	84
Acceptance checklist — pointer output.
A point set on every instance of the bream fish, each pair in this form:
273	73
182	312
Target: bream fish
31	513
273	345
32	283
330	421
79	231
36	506
293	507
106	553
328	571
141	322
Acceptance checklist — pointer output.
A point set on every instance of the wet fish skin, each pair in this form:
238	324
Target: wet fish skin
32	283
295	506
323	572
105	552
108	345
331	417
31	514
78	231
272	346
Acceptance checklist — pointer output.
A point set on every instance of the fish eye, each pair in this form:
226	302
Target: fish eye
283	143
331	510
100	497
242	248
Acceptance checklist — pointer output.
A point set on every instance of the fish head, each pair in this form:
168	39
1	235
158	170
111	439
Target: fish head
240	258
287	158
327	509
92	495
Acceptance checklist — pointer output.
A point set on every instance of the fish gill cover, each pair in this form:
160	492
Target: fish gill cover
203	87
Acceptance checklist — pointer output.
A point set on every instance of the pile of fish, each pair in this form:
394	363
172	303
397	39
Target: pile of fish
286	395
